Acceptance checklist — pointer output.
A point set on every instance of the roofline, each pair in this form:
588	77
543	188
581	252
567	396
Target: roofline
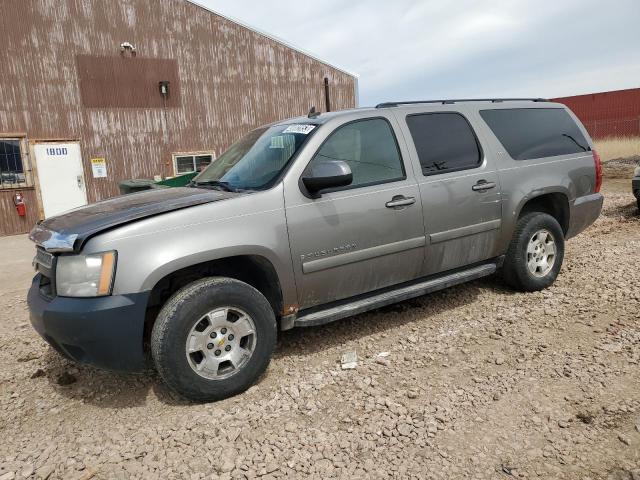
274	38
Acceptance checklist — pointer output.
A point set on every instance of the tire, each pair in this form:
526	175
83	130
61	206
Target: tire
529	231
188	321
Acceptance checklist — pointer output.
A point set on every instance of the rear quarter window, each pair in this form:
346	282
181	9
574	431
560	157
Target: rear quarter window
528	133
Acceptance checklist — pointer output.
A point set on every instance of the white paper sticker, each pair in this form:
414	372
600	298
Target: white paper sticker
303	129
277	142
99	167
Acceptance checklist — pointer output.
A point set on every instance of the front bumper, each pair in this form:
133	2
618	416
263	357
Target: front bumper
584	211
635	186
105	331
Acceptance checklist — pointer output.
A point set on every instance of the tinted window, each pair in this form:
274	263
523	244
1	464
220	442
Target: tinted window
535	132
370	149
444	142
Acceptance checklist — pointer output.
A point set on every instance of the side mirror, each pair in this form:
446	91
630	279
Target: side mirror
329	174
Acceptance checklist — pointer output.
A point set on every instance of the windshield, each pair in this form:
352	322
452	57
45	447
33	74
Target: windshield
256	160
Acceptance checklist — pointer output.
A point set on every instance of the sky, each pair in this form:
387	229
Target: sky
430	49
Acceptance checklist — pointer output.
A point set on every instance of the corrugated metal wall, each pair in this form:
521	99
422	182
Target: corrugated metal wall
231	79
607	114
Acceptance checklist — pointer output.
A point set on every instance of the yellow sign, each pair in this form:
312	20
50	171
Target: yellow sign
99	167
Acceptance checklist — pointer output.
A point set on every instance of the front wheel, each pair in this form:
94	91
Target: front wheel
535	253
213	339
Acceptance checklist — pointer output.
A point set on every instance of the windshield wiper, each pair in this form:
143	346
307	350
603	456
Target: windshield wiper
215	184
575	141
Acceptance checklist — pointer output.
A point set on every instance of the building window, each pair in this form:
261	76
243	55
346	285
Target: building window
14	172
189	163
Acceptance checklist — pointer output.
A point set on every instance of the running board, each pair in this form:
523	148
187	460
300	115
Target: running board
392	296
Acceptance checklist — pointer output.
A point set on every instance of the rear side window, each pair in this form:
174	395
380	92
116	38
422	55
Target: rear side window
444	142
370	149
528	133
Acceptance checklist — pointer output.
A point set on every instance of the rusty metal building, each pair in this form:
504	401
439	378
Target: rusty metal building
93	92
607	114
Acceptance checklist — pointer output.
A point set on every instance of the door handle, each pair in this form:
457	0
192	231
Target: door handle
483	185
80	181
400	201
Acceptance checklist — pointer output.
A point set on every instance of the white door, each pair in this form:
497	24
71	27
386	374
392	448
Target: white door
61	177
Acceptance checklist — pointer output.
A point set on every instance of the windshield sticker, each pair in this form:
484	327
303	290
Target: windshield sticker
303	129
277	142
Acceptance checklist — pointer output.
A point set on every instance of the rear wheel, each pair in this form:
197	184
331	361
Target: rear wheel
535	254
213	339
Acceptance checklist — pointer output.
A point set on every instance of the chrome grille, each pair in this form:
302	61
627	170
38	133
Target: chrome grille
43	258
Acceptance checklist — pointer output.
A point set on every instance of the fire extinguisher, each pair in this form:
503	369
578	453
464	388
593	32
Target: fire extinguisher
18	200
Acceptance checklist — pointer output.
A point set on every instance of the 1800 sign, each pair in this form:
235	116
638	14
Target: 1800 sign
56	151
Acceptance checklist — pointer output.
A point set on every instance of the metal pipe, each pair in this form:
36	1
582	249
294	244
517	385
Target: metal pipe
326	94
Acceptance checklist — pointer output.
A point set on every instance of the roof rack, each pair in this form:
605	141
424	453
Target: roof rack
450	101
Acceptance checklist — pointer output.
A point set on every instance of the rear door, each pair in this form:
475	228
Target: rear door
354	240
459	188
60	177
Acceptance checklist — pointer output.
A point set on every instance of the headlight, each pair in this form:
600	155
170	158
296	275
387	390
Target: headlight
85	275
636	172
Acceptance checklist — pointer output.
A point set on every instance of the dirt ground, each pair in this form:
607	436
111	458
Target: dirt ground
479	382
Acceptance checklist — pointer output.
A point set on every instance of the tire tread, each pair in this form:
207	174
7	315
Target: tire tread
515	272
161	337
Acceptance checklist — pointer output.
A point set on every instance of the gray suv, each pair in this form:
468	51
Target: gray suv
310	220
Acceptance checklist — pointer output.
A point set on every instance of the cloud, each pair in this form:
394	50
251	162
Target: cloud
467	48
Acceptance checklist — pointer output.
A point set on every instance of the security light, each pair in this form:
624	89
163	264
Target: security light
124	46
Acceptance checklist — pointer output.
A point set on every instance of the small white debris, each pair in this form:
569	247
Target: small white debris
383	354
349	360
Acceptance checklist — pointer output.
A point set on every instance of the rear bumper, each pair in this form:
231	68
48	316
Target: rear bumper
105	332
635	186
584	211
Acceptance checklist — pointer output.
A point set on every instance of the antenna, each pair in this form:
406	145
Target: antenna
313	113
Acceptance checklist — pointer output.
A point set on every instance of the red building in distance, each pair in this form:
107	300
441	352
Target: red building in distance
607	114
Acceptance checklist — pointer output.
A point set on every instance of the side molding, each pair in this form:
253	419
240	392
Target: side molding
465	231
360	255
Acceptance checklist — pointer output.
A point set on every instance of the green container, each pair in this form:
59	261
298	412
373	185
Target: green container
179	181
139	184
135	185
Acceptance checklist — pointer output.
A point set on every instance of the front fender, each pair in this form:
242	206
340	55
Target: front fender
152	248
195	258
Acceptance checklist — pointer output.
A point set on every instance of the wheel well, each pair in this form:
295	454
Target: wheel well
555	204
255	270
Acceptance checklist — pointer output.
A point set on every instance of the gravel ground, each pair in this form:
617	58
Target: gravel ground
473	382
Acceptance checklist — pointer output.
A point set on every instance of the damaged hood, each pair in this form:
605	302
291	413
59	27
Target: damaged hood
68	232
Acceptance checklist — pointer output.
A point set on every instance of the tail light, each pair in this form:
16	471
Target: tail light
598	163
